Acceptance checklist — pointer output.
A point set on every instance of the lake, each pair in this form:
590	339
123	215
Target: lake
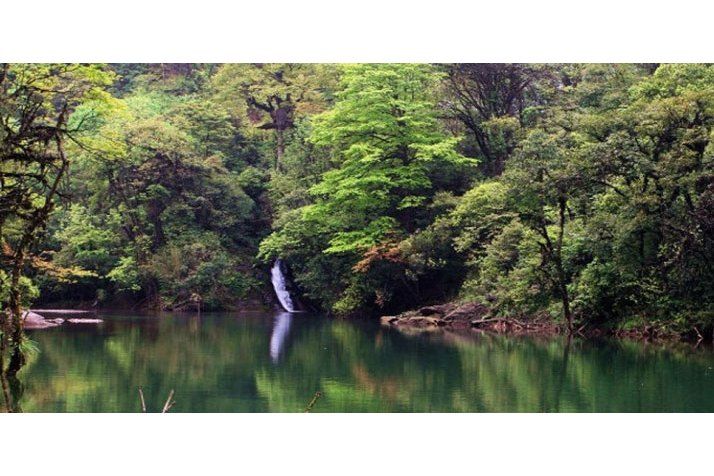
276	362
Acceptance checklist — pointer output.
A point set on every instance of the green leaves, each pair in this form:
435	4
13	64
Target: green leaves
612	187
126	275
384	135
590	182
386	144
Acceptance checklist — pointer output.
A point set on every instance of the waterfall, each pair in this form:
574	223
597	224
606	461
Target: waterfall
277	276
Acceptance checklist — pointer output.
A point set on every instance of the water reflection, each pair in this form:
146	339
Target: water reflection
276	363
281	330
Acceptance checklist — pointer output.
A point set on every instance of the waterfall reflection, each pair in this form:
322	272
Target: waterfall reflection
281	329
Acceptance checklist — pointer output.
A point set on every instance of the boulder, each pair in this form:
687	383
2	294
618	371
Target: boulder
467	312
440	310
32	320
412	320
423	321
449	315
387	320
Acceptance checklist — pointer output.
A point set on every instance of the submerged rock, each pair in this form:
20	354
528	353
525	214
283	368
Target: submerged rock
85	321
412	322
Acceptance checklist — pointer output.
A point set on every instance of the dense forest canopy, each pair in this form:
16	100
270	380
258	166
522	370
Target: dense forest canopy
583	192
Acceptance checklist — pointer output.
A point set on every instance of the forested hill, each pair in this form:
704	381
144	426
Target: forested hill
582	191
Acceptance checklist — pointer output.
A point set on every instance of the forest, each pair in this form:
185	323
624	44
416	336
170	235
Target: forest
580	192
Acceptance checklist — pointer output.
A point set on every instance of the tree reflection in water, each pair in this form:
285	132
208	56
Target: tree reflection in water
276	363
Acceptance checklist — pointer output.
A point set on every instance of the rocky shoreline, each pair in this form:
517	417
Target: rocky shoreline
470	315
474	316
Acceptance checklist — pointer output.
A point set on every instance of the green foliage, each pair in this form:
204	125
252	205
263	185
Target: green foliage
584	191
36	106
508	272
28	289
86	240
197	266
481	214
164	170
612	195
126	274
386	145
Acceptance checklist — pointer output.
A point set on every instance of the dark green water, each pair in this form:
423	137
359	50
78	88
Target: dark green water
268	363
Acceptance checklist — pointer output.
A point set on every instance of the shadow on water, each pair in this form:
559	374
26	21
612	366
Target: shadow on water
276	362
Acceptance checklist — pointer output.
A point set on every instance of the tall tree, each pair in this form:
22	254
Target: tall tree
270	96
36	102
490	99
544	181
157	176
384	136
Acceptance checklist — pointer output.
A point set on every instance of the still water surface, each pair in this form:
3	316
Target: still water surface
276	363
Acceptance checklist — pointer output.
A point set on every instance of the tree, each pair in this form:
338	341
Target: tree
391	155
607	204
543	182
271	96
490	100
653	159
159	172
36	102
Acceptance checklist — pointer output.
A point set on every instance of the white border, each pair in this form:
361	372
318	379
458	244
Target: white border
369	444
365	30
341	31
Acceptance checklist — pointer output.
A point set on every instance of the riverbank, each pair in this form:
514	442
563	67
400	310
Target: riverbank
477	316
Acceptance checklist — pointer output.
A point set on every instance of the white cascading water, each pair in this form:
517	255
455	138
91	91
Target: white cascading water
280	286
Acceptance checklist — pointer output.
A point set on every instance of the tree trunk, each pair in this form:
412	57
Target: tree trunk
3	377
499	164
280	147
155	209
16	299
153	298
562	205
566	306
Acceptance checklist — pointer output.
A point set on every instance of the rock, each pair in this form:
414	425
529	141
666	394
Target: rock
85	321
471	317
31	317
32	320
441	309
429	311
424	321
467	312
387	320
412	320
450	315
